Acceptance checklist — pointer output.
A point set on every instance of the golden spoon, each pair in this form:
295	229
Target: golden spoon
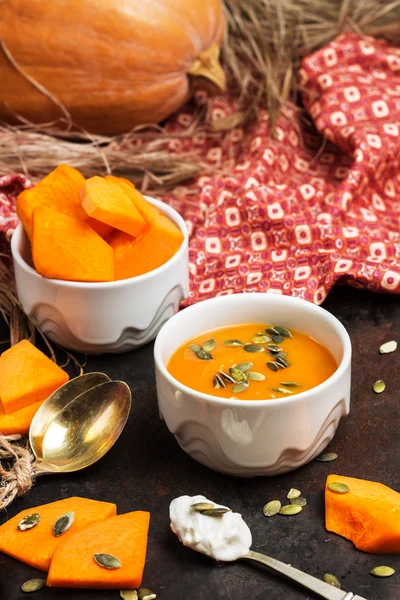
78	423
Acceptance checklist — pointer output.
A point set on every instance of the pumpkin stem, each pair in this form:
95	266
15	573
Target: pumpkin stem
207	65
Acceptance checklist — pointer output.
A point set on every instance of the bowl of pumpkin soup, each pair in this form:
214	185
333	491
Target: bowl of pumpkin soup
253	384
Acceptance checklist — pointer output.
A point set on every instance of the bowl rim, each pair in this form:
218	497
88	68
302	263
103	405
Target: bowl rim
231	402
19	232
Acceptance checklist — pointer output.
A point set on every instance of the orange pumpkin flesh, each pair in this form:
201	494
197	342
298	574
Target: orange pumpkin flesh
147	210
368	515
27	376
124	536
18	421
112	63
36	546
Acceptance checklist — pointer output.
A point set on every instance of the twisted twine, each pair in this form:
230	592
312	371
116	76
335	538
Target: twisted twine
18	478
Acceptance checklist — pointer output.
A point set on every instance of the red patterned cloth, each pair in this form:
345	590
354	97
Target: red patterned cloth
294	214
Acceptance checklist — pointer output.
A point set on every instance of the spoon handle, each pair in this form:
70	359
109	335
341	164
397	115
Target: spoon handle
324	590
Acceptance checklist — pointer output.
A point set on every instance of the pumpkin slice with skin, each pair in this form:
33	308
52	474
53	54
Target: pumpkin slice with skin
368	515
27	376
107	202
147	210
64	247
124	536
18	421
36	546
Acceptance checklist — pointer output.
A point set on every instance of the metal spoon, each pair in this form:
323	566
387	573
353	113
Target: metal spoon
79	423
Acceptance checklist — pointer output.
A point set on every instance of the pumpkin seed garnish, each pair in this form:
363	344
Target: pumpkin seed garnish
200	506
237	374
209	345
255	376
63	523
253	348
33	585
283	331
240	387
382	571
327	457
293	493
244	367
232	343
272	508
379	386
282	361
338	488
272	331
203	354
278	339
218	511
129	594
300	501
332	580
388	347
195	348
290	384
283	391
146	594
290	509
28	522
108	561
227	377
274	349
219	382
260	339
274	366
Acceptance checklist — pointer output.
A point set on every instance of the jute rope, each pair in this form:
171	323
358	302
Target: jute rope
18	478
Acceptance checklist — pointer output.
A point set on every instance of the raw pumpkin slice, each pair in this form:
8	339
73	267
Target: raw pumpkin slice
36	546
18	421
27	376
108	203
124	537
147	210
155	247
64	247
368	514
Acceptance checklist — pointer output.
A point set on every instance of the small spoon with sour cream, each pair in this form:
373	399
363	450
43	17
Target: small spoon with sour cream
227	538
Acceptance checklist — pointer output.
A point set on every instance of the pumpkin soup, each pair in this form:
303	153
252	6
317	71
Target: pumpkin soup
252	362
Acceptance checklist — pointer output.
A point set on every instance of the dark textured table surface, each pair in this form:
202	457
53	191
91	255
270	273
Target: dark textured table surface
146	469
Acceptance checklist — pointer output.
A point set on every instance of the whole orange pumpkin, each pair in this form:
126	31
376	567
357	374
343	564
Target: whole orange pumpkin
113	64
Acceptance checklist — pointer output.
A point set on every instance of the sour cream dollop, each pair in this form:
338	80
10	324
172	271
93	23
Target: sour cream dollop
225	537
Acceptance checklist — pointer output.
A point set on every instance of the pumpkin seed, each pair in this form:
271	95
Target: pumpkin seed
293	493
216	383
209	345
278	339
195	348
219	382
290	509
227	377
218	511
382	571
232	343
332	580
283	391
283	331
300	501
203	355
274	349
282	361
240	387
327	457
129	594
63	523
200	506
146	594
255	376
237	374
290	384
28	522
253	348
244	367
274	366
338	488
388	347
33	585
108	561
272	331
379	386
272	508
260	339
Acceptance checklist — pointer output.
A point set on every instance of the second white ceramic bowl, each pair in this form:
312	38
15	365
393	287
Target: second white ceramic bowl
261	437
114	316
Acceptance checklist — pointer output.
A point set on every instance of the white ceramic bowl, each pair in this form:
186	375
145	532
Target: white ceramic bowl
259	437
114	316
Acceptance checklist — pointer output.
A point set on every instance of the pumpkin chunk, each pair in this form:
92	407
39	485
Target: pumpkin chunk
368	515
147	210
124	537
27	376
108	203
18	421
155	247
36	546
67	248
